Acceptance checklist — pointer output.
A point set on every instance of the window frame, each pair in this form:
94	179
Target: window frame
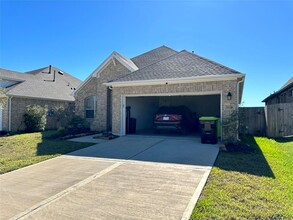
90	107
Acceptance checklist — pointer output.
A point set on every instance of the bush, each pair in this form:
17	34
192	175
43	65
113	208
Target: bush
35	118
61	131
77	125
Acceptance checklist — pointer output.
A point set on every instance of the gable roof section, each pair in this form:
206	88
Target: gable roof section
39	84
182	65
153	56
283	88
113	56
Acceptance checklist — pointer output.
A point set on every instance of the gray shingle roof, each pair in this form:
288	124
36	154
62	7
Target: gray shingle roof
18	76
289	82
179	65
284	87
153	56
39	84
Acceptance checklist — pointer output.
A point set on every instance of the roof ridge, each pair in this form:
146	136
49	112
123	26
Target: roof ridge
153	50
213	62
148	65
36	70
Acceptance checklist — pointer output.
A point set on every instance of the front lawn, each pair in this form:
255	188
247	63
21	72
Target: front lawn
21	150
257	185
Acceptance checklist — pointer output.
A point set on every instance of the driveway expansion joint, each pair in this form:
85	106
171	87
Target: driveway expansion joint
146	149
65	192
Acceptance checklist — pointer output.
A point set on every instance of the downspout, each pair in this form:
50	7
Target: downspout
9	113
238	83
238	87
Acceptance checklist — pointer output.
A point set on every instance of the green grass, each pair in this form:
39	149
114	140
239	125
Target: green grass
256	185
21	150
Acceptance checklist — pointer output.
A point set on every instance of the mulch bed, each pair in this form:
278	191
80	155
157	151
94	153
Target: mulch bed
239	147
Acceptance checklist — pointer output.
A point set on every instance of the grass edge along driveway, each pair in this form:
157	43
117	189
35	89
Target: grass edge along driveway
256	185
21	150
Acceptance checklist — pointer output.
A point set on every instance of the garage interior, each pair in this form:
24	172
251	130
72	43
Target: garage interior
143	108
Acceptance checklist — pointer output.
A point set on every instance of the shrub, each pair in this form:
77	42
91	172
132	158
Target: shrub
61	131
35	118
77	125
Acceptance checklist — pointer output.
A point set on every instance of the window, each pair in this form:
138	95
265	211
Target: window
90	107
291	93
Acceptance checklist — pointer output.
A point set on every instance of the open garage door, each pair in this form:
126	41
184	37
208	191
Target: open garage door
143	108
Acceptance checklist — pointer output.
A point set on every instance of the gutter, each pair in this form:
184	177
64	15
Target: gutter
9	113
175	80
40	98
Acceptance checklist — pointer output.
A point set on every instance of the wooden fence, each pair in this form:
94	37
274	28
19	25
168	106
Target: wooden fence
252	121
279	120
272	121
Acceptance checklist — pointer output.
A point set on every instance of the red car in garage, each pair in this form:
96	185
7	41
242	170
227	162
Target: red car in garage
178	118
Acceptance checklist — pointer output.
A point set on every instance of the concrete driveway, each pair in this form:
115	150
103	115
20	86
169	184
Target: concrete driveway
132	177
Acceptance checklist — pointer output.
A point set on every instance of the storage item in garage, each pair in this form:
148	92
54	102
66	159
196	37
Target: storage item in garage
130	122
132	126
210	129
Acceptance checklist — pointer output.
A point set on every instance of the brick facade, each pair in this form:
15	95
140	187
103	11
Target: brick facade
228	106
95	87
115	70
18	108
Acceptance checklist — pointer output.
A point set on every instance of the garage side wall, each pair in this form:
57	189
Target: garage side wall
228	106
95	87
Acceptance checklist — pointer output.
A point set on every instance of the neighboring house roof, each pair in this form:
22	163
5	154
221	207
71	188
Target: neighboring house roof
288	84
39	84
178	66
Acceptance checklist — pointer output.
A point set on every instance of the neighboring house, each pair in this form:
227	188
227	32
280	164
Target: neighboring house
159	77
283	95
48	86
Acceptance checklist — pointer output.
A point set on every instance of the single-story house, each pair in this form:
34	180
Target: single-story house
47	86
160	77
283	95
